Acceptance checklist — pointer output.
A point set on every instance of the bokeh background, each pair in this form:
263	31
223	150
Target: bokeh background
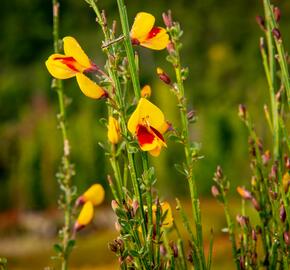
221	50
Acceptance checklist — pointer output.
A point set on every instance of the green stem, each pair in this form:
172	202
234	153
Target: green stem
65	181
129	48
189	161
231	228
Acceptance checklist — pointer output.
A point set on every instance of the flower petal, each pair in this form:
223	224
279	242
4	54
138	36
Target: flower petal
86	215
142	25
58	68
146	112
89	88
94	194
157	39
72	48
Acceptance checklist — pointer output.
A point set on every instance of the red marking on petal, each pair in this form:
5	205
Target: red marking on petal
154	31
144	136
68	61
135	41
157	133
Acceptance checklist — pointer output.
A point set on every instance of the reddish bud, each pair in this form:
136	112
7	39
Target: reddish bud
286	236
282	213
261	22
245	194
277	34
167	19
254	235
256	204
277	14
242	220
170	48
242	112
163	76
214	191
114	205
266	157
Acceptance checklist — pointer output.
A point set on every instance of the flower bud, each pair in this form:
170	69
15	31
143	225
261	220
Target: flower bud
167	19
163	251
114	205
170	47
286	181
277	14
287	162
261	22
286	236
163	76
266	157
277	34
282	213
256	204
245	194
242	112
114	131
174	249
135	206
242	220
214	191
146	91
254	235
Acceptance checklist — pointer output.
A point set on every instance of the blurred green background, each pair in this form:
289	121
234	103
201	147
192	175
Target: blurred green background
220	48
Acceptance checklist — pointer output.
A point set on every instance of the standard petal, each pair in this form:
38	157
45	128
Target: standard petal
72	48
57	68
142	25
88	87
150	113
95	194
157	39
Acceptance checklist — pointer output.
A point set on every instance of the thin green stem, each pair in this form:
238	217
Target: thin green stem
129	48
189	160
66	170
231	228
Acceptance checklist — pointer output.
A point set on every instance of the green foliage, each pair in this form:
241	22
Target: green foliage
221	51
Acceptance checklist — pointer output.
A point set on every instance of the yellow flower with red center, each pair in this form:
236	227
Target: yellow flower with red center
148	124
144	32
91	197
114	131
74	63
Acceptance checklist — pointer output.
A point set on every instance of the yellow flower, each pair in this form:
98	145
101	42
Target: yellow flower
146	91
95	194
114	131
85	217
147	123
166	214
73	63
286	181
144	32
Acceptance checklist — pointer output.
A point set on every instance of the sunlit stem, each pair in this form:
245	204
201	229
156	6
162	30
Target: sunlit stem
65	180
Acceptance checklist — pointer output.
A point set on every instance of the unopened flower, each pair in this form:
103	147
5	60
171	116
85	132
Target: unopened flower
148	124
286	181
74	63
144	32
114	131
95	194
163	76
245	194
146	91
85	217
